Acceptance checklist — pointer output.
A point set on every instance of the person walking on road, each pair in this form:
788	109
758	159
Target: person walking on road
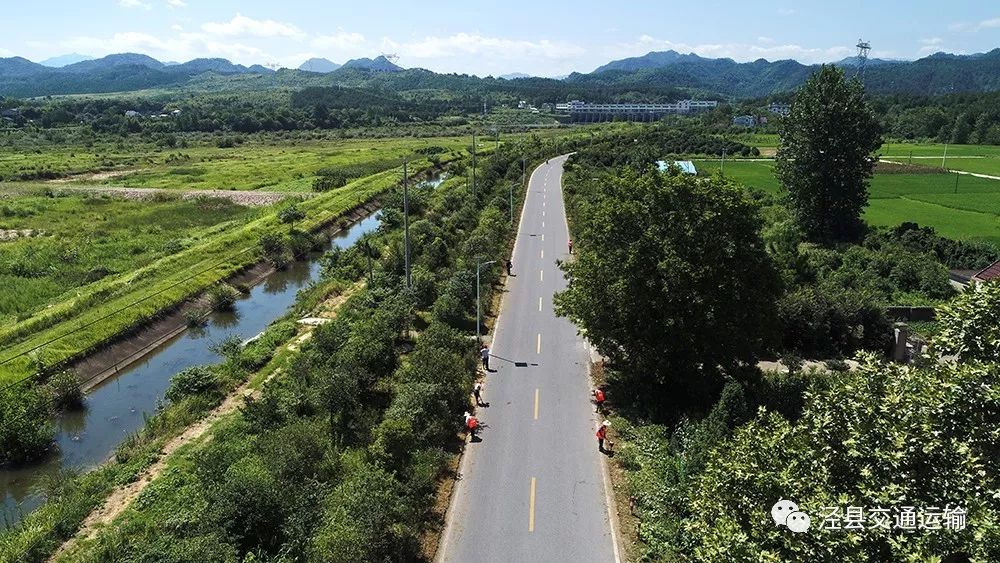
477	392
510	266
570	245
484	353
602	435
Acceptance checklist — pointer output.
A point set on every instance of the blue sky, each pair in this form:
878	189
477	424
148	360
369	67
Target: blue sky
499	37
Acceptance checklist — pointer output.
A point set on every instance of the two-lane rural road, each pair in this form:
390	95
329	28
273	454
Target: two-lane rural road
534	488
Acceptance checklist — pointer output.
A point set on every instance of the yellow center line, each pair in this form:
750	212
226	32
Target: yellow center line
538	348
536	404
531	507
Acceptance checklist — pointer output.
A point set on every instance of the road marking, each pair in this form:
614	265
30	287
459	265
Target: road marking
541	275
539	304
543	254
543	214
536	404
538	347
543	224
543	237
531	507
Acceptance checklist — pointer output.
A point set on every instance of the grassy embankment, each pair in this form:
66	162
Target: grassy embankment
65	243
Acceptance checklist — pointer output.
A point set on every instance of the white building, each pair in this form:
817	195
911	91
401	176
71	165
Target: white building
582	111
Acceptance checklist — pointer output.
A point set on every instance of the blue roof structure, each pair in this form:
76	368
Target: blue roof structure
686	166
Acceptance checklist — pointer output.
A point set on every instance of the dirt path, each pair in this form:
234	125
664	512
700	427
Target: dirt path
241	197
122	498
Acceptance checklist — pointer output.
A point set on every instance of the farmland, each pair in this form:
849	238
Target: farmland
971	212
256	164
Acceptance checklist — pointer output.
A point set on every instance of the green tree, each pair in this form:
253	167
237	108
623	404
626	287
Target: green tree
970	324
671	281
825	157
887	436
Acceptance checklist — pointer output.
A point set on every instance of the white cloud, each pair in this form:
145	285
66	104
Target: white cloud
991	23
242	25
741	52
932	41
763	39
176	4
339	40
6	53
786	11
134	4
460	44
988	24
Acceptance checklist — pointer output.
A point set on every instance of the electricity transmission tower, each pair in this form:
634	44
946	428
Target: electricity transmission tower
864	48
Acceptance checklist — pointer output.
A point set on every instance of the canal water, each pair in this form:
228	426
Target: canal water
118	407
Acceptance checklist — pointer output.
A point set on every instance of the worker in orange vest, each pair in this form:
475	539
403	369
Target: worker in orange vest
471	424
599	399
602	435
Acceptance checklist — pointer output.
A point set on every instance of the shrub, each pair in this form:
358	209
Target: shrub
192	381
64	389
223	297
25	429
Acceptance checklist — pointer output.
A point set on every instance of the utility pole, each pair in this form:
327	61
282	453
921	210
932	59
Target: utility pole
479	267
944	158
368	254
473	162
406	226
512	203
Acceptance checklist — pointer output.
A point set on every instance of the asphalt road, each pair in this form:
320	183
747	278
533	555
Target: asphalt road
533	488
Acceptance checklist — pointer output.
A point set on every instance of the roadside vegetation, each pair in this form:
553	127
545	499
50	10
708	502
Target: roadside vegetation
707	442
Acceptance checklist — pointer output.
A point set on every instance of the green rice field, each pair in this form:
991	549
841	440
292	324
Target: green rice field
970	211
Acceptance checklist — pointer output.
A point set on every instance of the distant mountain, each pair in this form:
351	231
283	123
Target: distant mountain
220	66
937	74
16	67
63	60
114	73
319	65
378	64
514	76
853	62
111	61
654	59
